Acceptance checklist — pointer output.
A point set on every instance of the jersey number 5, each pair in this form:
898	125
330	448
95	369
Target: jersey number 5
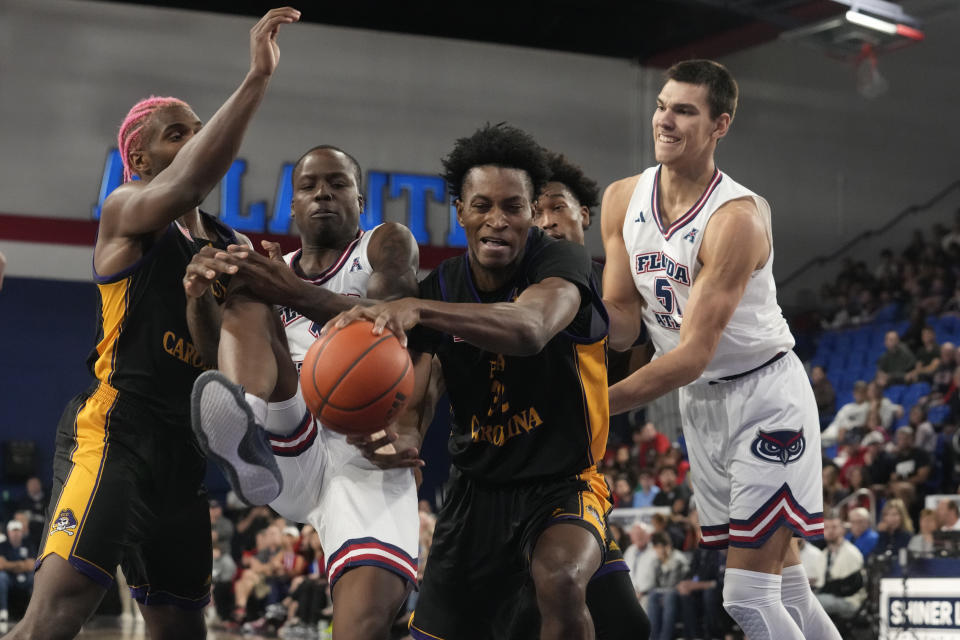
666	296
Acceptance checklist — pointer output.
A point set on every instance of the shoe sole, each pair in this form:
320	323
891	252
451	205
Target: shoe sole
217	409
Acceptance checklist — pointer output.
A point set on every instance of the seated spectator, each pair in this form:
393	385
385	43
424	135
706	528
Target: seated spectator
224	569
641	559
878	463
672	495
674	458
622	491
823	392
701	592
882	412
671	567
924	435
622	461
948	515
814	562
843	589
896	362
911	466
646	489
851	416
922	542
833	489
942	378
895	527
34	502
223	526
652	444
308	593
258	571
16	567
928	358
861	534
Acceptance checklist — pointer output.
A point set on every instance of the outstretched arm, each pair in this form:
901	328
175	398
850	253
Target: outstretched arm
620	296
137	208
735	244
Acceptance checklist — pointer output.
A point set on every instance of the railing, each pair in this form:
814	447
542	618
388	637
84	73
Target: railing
843	506
869	233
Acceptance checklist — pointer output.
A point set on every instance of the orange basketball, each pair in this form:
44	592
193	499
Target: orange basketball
356	382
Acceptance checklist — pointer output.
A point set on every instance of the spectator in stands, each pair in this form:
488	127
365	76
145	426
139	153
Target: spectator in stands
622	461
928	358
861	534
253	521
924	435
700	592
223	526
308	593
912	467
646	490
641	559
953	237
895	527
922	542
674	458
824	393
672	495
34	502
814	562
843	589
622	491
17	558
259	570
882	412
948	515
887	268
942	378
652	444
852	416
671	567
878	463
896	362
833	489
224	569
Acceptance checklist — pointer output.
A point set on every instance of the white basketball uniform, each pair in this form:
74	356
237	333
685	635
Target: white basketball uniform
365	516
750	421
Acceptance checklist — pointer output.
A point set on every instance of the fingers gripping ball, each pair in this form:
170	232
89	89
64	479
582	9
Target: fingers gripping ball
356	382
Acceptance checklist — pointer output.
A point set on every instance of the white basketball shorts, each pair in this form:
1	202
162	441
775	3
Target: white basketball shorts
754	450
365	516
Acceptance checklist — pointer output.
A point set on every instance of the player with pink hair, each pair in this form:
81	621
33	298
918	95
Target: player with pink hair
127	485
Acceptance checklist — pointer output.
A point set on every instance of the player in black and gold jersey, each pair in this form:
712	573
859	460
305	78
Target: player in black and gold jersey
521	338
127	470
563	211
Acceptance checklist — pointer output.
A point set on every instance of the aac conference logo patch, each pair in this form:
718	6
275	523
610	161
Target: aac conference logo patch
784	446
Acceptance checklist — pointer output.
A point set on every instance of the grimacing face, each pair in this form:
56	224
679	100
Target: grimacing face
496	212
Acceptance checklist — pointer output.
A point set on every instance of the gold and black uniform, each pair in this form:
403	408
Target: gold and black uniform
128	472
527	432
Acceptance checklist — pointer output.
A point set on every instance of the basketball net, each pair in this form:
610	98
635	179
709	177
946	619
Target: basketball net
870	84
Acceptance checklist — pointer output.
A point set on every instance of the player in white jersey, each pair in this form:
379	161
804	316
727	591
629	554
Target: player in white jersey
251	418
689	251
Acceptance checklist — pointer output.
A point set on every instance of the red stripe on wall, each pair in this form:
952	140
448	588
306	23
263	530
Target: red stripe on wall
84	233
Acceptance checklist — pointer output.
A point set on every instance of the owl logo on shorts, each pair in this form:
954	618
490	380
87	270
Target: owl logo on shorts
783	446
65	522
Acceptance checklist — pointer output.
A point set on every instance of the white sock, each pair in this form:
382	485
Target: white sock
285	416
258	406
804	607
752	599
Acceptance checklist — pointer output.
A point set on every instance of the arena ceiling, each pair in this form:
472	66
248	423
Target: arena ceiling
653	32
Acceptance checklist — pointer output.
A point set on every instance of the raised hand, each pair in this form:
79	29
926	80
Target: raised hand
204	268
264	52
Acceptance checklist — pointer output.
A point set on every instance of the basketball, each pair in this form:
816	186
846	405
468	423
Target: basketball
356	382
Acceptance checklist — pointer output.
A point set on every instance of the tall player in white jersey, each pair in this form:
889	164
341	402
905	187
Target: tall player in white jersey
689	251
251	418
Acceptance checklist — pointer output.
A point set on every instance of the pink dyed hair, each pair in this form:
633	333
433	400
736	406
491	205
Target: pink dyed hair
132	127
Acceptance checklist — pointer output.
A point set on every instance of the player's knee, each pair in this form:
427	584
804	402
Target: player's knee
365	623
560	589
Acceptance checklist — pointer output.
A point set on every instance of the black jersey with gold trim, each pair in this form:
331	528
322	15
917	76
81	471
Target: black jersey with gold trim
143	346
520	418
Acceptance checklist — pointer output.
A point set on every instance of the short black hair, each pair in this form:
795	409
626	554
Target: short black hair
499	145
722	90
572	177
357	171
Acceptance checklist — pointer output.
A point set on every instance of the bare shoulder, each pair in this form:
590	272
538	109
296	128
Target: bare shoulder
616	198
391	244
739	216
736	231
115	205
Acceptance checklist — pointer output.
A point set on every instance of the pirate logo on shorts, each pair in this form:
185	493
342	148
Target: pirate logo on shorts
65	522
779	446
